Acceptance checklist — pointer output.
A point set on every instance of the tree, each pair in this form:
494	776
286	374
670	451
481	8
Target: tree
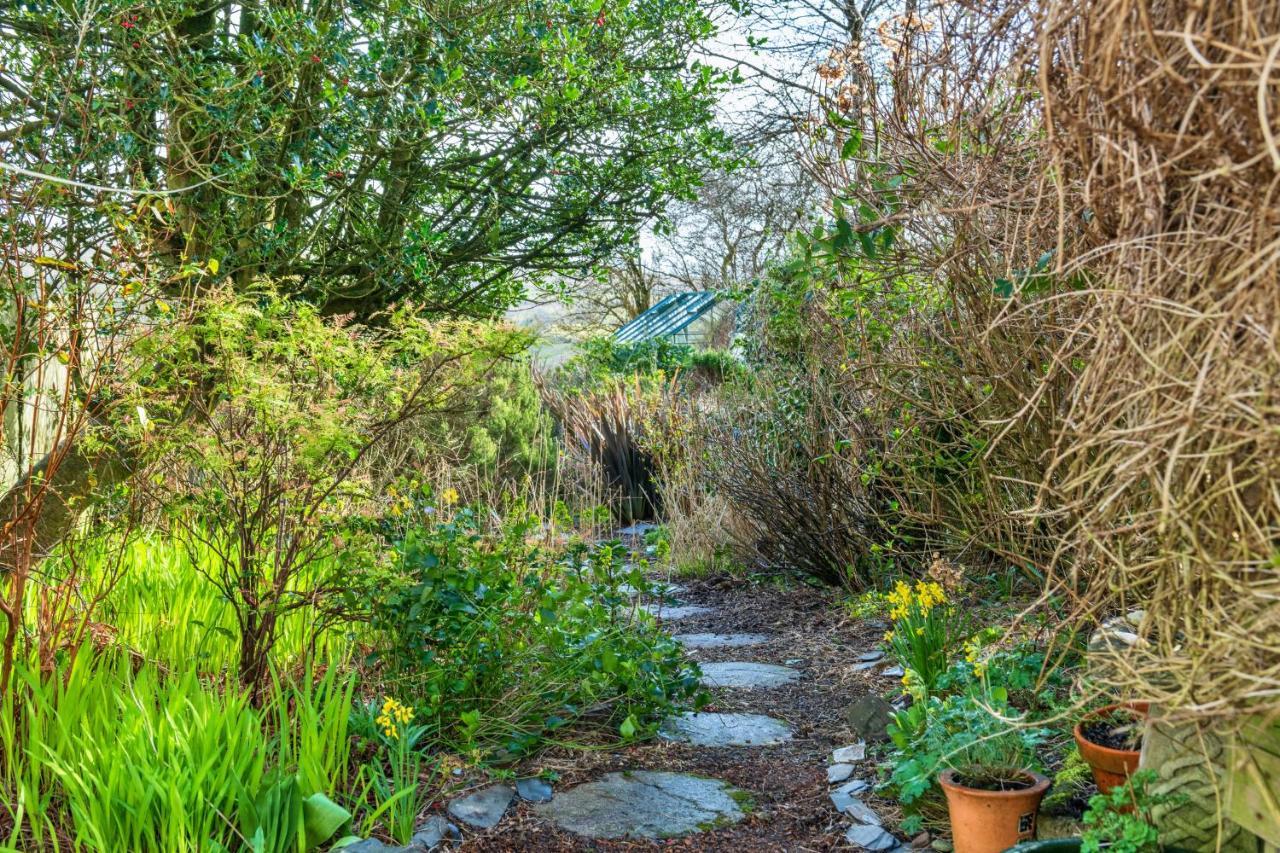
359	154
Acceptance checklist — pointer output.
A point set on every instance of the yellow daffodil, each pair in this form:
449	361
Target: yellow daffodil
393	716
449	497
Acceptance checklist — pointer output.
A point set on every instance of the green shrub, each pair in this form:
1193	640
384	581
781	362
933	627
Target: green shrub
499	646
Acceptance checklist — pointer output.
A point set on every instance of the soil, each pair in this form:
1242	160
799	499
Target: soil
992	783
1117	730
791	810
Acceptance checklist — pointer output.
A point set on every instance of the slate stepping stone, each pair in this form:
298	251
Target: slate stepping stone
720	641
865	665
484	808
672	612
871	656
664	591
533	790
893	672
710	729
747	674
646	804
870	837
849	754
635	531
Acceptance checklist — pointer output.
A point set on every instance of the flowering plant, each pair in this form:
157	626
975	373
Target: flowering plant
397	786
924	625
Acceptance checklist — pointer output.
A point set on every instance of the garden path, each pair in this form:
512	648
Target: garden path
776	761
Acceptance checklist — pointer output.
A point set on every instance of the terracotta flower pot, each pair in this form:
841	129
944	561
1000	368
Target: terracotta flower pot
992	821
1111	767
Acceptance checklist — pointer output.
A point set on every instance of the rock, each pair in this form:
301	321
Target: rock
893	672
429	835
533	791
871	656
793	661
484	808
711	729
942	845
838	773
1054	826
672	612
921	841
840	801
1115	634
369	845
866	665
636	531
646	804
1135	617
861	812
855	786
869	717
720	641
747	675
848	754
870	837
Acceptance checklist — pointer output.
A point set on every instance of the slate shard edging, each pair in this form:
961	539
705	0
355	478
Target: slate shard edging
534	791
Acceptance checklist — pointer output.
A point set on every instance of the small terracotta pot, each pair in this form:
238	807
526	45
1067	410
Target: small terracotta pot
992	821
1111	767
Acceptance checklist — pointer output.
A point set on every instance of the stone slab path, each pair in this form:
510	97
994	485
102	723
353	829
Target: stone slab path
720	641
707	728
646	804
754	770
747	674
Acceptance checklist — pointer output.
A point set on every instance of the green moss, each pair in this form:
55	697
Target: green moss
745	801
1071	781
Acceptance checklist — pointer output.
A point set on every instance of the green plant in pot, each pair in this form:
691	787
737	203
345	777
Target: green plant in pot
1119	821
982	754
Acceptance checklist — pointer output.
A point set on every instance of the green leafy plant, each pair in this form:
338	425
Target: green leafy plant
499	645
280	819
977	734
1121	821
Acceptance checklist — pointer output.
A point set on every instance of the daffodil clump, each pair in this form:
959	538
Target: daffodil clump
924	623
393	718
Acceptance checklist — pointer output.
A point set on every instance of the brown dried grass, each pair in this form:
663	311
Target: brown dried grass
1162	121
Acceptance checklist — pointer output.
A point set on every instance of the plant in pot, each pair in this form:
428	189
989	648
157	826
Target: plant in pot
983	755
1110	741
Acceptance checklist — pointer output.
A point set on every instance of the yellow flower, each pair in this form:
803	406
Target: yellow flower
920	631
449	496
394	714
888	636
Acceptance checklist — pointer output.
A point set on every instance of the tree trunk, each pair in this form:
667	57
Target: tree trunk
76	475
